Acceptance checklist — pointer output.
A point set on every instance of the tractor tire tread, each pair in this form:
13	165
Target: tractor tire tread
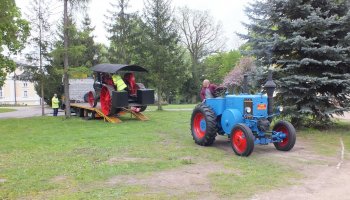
292	135
250	139
211	125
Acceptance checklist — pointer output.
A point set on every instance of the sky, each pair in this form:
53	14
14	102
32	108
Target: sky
228	12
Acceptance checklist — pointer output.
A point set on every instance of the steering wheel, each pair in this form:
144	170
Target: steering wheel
220	91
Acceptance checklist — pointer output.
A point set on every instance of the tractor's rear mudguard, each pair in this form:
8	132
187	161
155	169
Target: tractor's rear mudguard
216	104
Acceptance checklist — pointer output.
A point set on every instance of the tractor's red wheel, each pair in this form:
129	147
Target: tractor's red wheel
203	125
106	99
92	99
242	140
288	129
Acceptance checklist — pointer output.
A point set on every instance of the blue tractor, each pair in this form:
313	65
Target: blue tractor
245	119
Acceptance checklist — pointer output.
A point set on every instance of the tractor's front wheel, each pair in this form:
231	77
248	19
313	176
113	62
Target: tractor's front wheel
288	129
242	140
203	125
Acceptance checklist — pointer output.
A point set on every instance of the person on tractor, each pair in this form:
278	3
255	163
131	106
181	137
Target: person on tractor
121	86
207	90
118	82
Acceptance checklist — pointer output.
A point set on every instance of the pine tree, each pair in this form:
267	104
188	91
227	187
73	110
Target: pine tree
86	39
123	33
307	42
164	54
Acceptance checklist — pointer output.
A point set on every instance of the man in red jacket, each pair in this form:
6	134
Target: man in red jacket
207	90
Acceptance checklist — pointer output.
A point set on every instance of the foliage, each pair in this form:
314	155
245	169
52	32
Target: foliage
82	51
308	43
125	33
13	34
217	66
52	83
165	56
246	66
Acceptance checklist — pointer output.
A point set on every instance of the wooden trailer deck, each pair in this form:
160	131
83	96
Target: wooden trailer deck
86	111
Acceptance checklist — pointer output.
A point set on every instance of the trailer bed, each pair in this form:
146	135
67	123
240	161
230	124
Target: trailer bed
86	111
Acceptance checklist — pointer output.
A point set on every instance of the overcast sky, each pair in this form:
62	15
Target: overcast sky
229	12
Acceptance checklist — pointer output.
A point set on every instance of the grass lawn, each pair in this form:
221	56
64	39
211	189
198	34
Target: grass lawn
173	107
3	110
54	158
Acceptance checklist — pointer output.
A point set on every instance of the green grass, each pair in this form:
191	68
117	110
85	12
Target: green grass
3	110
327	142
172	107
35	152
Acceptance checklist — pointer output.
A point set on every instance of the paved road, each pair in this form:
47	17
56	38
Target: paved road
27	111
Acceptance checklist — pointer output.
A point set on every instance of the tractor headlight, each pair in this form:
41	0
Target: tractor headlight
280	108
248	110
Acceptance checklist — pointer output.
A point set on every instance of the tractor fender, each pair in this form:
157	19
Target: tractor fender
229	119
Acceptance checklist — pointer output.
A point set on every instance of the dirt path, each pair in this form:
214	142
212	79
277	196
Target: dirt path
322	178
327	178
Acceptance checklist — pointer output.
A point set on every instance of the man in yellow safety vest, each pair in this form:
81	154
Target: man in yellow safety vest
118	82
54	102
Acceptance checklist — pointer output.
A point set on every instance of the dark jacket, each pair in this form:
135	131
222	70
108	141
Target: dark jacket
212	88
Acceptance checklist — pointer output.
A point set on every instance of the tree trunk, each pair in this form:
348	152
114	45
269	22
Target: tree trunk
159	99
41	62
65	75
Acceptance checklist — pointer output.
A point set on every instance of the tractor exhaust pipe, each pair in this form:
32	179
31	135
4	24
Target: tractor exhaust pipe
270	87
245	84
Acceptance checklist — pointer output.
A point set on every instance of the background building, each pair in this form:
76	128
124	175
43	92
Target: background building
18	92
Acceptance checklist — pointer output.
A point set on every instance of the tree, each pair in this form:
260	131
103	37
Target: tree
74	4
123	33
164	54
13	34
215	67
307	41
40	40
233	80
200	34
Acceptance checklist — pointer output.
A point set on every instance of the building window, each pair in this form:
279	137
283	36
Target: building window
0	92
25	94
25	84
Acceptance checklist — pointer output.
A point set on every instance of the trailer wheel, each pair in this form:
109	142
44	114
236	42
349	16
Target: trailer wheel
92	99
203	125
288	129
242	140
106	99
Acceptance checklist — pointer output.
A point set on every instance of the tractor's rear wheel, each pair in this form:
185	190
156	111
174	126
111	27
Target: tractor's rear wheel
106	99
288	129
203	125
242	140
92	99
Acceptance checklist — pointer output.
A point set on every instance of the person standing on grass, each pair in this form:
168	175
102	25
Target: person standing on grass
54	102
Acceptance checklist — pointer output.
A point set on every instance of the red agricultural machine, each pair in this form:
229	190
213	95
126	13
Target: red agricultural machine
108	101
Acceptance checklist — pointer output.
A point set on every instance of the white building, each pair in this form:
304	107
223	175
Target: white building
17	92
